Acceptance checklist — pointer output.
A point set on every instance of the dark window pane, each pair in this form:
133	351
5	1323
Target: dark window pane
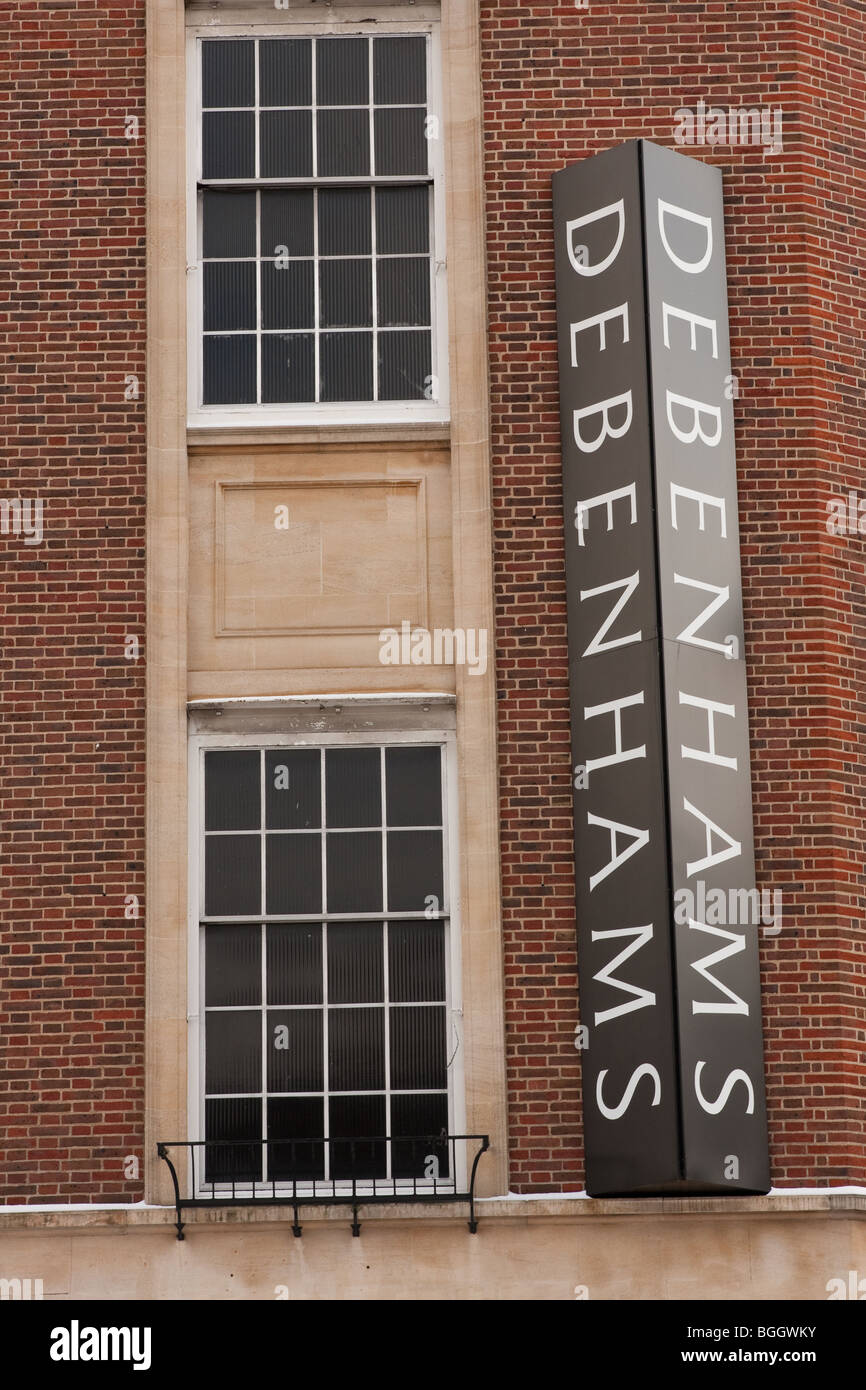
355	963
231	1120
233	1051
342	72
414	869
287	220
228	145
403	291
232	791
287	294
416	960
418	1049
346	294
288	367
227	73
293	789
295	964
346	366
353	787
355	871
286	144
294	1049
425	1117
228	224
399	71
294	873
285	72
232	878
343	143
344	221
356	1049
401	146
229	295
293	1118
404	367
229	370
413	785
402	220
233	965
357	1119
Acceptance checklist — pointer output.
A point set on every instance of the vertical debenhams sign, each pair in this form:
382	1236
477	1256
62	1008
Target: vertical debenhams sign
673	1066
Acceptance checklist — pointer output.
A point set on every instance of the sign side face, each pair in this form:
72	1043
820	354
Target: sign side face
630	1102
716	907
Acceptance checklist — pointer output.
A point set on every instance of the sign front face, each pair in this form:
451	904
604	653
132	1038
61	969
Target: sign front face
704	675
670	1003
623	887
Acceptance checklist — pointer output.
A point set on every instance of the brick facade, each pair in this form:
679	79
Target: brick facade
560	83
72	767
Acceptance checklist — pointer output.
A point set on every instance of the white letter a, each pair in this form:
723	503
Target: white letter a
639	838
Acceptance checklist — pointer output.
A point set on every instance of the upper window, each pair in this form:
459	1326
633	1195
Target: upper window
317	241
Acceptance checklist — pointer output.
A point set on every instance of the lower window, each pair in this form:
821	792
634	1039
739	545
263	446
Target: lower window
325	941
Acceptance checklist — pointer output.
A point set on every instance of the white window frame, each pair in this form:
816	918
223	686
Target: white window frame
332	23
199	744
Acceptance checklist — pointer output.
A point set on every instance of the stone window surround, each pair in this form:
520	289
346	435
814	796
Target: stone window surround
169	442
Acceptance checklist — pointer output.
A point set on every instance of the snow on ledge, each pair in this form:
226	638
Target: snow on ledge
675	1196
87	1206
841	1191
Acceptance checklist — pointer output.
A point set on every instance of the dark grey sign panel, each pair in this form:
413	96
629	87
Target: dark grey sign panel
673	1068
631	1113
712	855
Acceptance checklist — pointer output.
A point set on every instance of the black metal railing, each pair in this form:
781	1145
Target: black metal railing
315	1172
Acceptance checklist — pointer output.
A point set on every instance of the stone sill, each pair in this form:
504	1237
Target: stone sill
576	1207
249	438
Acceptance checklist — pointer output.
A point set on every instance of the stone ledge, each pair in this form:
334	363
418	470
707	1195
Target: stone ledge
577	1207
263	437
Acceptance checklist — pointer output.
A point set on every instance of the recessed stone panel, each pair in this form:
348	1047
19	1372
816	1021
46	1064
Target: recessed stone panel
318	557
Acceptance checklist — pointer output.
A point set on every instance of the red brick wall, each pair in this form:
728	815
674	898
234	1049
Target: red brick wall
72	759
561	83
